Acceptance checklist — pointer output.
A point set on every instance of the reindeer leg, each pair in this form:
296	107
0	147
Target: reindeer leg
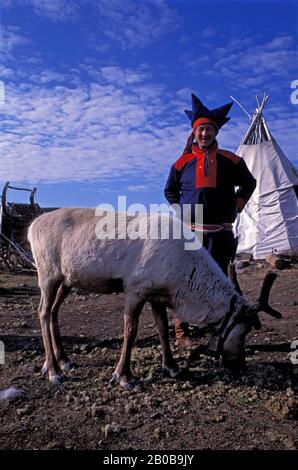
123	372
160	315
64	362
48	293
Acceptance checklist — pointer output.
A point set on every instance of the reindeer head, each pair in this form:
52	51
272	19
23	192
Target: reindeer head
242	317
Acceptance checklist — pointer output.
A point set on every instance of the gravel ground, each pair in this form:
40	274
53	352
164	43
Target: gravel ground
208	408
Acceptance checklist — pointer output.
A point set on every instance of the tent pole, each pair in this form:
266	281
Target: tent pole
240	105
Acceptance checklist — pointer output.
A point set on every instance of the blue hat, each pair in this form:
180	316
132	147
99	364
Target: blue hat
202	115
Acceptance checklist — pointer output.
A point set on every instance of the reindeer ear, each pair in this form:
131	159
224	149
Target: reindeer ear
251	316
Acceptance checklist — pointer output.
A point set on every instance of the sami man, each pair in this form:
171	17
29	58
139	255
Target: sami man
207	175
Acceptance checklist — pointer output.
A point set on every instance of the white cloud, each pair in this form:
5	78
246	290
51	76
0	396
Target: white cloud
93	131
208	32
6	73
115	125
56	10
244	64
102	131
138	188
130	23
11	39
247	65
193	60
281	42
136	24
121	77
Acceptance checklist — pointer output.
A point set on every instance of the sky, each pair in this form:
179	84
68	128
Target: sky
93	92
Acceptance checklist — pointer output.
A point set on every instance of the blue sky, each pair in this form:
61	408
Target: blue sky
95	90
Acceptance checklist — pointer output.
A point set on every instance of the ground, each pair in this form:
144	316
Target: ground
208	408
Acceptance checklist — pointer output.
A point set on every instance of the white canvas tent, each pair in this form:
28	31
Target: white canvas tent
269	222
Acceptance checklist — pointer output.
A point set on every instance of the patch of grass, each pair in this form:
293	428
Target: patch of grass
243	400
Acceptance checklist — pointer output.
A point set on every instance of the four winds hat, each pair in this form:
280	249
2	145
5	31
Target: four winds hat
202	115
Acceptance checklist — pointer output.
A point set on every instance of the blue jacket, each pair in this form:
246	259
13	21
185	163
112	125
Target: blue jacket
209	178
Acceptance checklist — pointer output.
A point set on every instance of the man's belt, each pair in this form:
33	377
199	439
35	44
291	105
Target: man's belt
210	228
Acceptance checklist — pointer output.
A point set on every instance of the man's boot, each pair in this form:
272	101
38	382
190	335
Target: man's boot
182	333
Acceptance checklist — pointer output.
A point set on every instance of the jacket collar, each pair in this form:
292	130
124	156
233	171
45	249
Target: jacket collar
200	152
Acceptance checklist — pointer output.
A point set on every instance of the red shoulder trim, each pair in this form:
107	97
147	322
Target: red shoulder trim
230	155
181	162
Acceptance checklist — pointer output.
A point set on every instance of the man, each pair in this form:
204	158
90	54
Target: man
207	175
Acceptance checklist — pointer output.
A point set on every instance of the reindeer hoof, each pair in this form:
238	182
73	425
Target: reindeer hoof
68	366
44	370
172	372
56	380
114	378
126	383
129	384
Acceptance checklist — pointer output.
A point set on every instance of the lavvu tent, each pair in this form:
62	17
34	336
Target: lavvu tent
269	222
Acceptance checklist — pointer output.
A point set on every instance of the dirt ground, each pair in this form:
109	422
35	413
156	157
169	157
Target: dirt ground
208	408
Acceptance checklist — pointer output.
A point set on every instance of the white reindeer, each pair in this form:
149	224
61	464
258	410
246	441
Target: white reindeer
68	253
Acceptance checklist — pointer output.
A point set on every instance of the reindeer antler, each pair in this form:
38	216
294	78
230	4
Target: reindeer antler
262	304
264	296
